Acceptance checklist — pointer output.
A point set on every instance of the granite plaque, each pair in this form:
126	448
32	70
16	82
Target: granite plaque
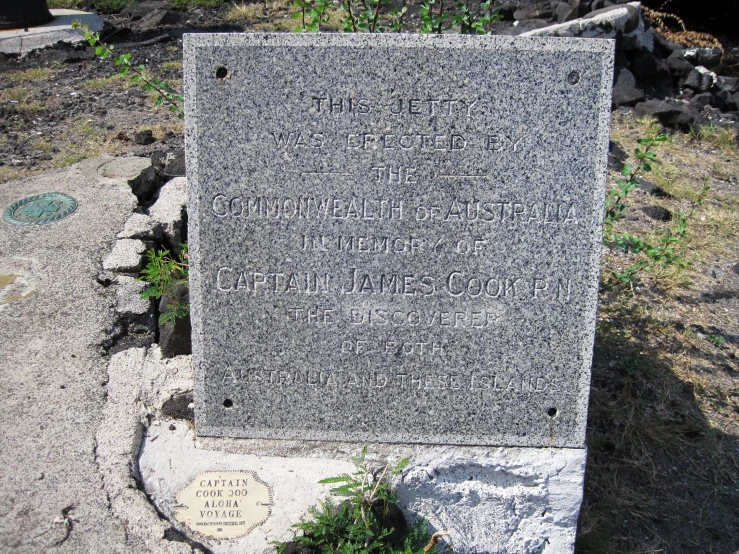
395	237
224	505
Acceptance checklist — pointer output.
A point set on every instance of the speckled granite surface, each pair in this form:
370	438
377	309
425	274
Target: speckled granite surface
395	238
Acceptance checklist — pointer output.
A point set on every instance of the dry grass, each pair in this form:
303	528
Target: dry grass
171	66
8	173
29	75
275	15
719	137
264	15
161	130
673	28
13	95
85	140
663	431
248	12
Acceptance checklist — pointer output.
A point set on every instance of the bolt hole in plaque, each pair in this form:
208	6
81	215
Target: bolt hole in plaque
221	73
551	412
228	404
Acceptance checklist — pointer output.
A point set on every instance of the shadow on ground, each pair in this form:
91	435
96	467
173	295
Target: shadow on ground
663	467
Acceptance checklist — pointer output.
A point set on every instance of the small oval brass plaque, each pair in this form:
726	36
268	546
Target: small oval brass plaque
224	504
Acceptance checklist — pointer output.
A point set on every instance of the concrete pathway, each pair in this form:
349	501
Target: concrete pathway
60	30
54	317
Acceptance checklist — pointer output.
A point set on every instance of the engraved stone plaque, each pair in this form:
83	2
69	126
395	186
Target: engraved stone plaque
224	505
395	238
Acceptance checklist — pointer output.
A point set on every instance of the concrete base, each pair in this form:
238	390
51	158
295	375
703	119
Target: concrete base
491	500
23	41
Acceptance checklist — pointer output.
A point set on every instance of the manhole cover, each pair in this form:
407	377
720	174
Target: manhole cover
40	209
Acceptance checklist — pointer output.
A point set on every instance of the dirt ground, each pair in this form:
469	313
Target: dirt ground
663	435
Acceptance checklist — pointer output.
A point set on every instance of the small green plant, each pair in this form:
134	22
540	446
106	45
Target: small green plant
356	525
312	14
367	16
660	254
430	22
615	205
164	273
717	340
471	22
137	74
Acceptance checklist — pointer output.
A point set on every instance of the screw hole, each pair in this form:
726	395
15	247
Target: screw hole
228	403
573	78
221	73
551	412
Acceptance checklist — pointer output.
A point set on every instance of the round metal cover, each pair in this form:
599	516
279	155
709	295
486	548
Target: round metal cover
40	209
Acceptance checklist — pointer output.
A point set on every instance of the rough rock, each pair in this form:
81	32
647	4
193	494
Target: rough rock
169	163
118	442
468	491
626	96
657	212
144	137
607	23
665	45
295	547
139	172
521	27
680	116
699	79
700	101
650	69
137	11
158	18
166	379
622	77
728	84
128	295
149	15
727	101
65	53
175	339
141	226
540	10
126	256
169	209
707	57
633	12
678	65
564	11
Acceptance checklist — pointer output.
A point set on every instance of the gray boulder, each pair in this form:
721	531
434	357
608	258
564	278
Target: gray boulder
626	96
622	77
540	10
671	114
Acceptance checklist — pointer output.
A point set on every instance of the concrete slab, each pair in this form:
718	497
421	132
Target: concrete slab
23	41
489	499
53	374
